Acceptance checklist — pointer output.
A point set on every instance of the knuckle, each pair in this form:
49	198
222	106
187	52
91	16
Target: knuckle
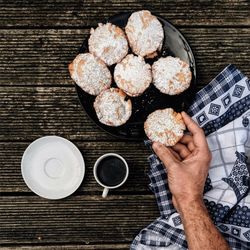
183	153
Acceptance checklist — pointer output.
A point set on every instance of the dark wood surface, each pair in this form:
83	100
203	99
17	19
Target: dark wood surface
37	98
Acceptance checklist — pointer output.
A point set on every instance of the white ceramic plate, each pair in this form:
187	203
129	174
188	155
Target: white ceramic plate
52	167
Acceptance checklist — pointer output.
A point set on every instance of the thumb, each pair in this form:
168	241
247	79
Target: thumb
164	154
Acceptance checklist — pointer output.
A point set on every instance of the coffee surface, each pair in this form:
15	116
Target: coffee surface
111	171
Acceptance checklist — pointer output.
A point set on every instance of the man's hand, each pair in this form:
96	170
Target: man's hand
187	164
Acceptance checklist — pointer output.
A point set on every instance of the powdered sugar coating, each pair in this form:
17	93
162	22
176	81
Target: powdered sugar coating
171	75
90	73
108	42
145	33
111	107
164	126
133	75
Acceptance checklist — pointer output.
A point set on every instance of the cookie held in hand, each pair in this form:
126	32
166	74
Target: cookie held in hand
165	126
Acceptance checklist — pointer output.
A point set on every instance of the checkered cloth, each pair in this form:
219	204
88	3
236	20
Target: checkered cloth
222	109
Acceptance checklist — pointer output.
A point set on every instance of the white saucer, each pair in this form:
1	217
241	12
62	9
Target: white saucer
52	167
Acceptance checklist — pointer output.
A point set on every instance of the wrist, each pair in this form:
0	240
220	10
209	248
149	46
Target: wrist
186	203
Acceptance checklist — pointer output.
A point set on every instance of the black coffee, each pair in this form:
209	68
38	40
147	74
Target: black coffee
111	171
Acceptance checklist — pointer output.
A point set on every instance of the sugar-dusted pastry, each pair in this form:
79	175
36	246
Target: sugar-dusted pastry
164	126
145	33
171	75
108	42
90	73
133	75
112	107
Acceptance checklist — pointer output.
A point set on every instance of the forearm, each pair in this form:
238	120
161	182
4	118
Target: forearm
199	228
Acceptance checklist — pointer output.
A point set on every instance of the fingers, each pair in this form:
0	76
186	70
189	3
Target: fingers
198	134
191	125
177	156
164	154
188	141
182	150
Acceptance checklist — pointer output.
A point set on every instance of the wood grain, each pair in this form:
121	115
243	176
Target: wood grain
40	57
82	13
69	247
79	219
135	153
30	112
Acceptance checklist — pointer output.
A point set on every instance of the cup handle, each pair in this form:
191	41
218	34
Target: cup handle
105	192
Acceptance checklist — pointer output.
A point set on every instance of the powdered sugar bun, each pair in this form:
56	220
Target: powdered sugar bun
90	73
145	33
164	126
108	42
133	75
171	75
111	107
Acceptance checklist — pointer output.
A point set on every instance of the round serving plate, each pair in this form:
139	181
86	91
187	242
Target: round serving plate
175	45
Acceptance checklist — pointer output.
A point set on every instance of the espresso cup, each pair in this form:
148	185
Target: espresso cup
110	171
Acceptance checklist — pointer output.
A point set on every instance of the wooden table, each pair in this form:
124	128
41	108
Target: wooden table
37	98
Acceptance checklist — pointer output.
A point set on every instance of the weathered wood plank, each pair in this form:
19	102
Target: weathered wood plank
79	219
81	13
40	57
31	112
135	153
69	247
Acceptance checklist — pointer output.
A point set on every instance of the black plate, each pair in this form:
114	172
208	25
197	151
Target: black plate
152	99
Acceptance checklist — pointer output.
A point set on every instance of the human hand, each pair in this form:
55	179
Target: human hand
187	164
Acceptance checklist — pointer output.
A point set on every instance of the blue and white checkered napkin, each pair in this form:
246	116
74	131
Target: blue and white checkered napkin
222	109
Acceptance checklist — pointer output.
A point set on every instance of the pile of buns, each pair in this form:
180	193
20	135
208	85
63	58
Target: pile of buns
109	45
